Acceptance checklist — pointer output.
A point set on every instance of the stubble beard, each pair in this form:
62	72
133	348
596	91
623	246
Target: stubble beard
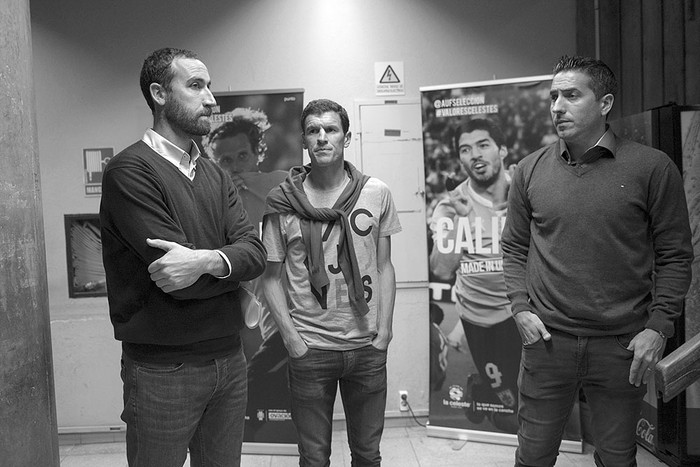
487	179
181	118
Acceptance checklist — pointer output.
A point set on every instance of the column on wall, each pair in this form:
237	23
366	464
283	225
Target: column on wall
28	433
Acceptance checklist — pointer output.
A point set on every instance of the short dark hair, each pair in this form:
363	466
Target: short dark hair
320	106
156	69
479	124
603	80
250	122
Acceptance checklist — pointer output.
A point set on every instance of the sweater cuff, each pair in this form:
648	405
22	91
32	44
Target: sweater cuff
519	302
661	324
228	265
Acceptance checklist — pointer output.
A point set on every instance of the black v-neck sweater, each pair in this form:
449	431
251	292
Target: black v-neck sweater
146	196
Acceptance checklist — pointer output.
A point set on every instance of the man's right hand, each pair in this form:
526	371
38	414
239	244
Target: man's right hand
460	203
180	266
297	349
531	327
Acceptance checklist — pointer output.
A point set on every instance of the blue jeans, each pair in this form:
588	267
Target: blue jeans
170	407
551	374
313	382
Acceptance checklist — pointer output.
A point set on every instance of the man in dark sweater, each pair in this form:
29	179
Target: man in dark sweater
176	243
597	257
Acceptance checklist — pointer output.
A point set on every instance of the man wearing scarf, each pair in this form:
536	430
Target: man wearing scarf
329	227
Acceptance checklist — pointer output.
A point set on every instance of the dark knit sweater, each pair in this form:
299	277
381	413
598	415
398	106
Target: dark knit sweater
581	243
146	196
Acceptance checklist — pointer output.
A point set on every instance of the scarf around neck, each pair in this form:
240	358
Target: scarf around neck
289	197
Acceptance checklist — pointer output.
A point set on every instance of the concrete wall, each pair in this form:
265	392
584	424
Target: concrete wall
27	403
87	57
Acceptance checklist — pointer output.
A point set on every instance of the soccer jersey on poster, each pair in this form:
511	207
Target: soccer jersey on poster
467	248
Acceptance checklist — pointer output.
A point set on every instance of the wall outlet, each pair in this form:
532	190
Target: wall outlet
403	401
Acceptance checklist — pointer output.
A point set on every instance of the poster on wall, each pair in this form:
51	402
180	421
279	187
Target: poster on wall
474	134
86	274
94	162
255	137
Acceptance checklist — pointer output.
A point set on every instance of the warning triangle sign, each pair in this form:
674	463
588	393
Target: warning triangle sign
389	76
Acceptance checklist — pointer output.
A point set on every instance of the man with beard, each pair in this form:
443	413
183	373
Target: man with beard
466	230
176	243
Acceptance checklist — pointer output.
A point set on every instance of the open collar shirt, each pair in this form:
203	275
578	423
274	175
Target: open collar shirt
186	162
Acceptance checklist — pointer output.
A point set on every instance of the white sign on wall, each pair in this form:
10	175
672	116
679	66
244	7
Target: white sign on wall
94	161
389	78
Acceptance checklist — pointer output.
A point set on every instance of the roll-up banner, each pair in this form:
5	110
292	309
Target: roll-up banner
474	134
256	137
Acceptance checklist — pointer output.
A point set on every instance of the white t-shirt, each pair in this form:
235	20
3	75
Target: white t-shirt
328	321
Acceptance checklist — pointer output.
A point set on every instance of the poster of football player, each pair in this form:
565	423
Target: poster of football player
474	134
255	137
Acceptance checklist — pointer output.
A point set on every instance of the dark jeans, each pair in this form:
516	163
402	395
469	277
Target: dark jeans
169	408
313	381
551	374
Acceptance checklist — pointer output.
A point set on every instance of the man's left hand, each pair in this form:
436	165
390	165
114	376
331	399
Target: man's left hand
381	342
648	346
177	269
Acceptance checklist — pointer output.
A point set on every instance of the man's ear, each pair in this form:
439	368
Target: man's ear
606	103
158	93
502	151
303	141
348	137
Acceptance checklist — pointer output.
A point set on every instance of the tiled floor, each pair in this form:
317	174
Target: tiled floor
403	446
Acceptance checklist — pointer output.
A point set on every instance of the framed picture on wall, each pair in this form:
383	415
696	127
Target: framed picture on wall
86	274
